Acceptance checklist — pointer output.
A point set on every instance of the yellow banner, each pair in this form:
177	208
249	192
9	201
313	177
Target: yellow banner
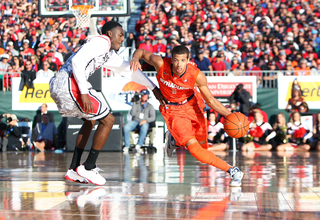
40	94
310	91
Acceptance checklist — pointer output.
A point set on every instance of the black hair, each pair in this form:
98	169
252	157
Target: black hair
180	50
109	26
255	106
240	86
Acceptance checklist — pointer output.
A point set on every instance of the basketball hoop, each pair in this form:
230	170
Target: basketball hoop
82	14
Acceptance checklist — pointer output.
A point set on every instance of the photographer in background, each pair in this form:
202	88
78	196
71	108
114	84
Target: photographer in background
241	97
142	114
12	138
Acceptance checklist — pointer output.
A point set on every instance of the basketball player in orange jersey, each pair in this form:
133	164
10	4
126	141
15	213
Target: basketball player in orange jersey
183	112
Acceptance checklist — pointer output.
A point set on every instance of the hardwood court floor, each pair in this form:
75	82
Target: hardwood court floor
151	186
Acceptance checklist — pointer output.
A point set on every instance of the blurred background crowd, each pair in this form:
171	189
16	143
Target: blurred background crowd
235	35
239	37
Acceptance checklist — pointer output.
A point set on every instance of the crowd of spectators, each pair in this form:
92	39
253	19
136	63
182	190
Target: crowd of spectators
235	35
29	40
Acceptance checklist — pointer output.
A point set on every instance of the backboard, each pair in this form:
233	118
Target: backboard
102	8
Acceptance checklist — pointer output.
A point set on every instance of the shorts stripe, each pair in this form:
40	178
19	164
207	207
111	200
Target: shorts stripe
96	102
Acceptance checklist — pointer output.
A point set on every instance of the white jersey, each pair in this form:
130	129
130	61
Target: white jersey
94	54
86	61
71	80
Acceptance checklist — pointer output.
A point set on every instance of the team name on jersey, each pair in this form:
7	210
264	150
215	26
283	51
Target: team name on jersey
172	85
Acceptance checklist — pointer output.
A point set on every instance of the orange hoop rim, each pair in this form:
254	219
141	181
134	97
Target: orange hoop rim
82	8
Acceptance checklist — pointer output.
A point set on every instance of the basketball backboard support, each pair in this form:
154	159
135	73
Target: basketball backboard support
102	8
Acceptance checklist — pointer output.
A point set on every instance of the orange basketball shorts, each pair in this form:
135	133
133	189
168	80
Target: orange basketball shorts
185	122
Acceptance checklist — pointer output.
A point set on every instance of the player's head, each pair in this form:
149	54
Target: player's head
114	30
179	59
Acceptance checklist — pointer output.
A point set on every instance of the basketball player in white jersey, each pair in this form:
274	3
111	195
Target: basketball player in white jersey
75	96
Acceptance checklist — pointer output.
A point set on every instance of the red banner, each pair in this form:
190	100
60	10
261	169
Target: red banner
225	89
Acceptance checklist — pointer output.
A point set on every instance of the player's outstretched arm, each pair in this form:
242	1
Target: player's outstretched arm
213	103
151	58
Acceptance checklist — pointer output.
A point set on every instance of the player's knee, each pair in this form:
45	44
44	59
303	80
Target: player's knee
89	123
109	120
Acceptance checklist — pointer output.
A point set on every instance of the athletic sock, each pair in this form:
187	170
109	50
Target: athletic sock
91	160
76	158
207	157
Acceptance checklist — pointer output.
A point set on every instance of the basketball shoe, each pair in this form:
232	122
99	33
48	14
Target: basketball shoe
170	144
73	176
92	176
236	176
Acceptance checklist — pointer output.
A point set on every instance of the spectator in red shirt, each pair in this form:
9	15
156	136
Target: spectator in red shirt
281	64
140	22
27	51
251	67
256	108
52	65
159	47
219	65
147	44
162	18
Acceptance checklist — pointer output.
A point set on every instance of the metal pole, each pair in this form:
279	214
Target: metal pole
234	151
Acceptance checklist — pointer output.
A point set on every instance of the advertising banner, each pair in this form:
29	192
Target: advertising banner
119	92
223	87
31	99
308	85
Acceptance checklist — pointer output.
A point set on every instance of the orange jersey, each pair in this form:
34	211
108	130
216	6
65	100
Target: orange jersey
184	121
177	88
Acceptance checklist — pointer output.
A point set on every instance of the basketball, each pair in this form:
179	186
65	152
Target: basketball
236	125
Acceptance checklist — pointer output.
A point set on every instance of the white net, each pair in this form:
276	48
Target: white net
82	14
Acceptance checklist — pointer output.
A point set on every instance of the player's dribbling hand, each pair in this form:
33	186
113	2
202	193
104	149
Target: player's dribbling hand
135	65
87	105
157	93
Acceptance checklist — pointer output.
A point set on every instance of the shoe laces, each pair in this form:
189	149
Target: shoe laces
233	171
96	170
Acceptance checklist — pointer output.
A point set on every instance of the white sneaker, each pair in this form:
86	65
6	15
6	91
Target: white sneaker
125	150
236	176
170	144
73	176
139	149
92	176
94	197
